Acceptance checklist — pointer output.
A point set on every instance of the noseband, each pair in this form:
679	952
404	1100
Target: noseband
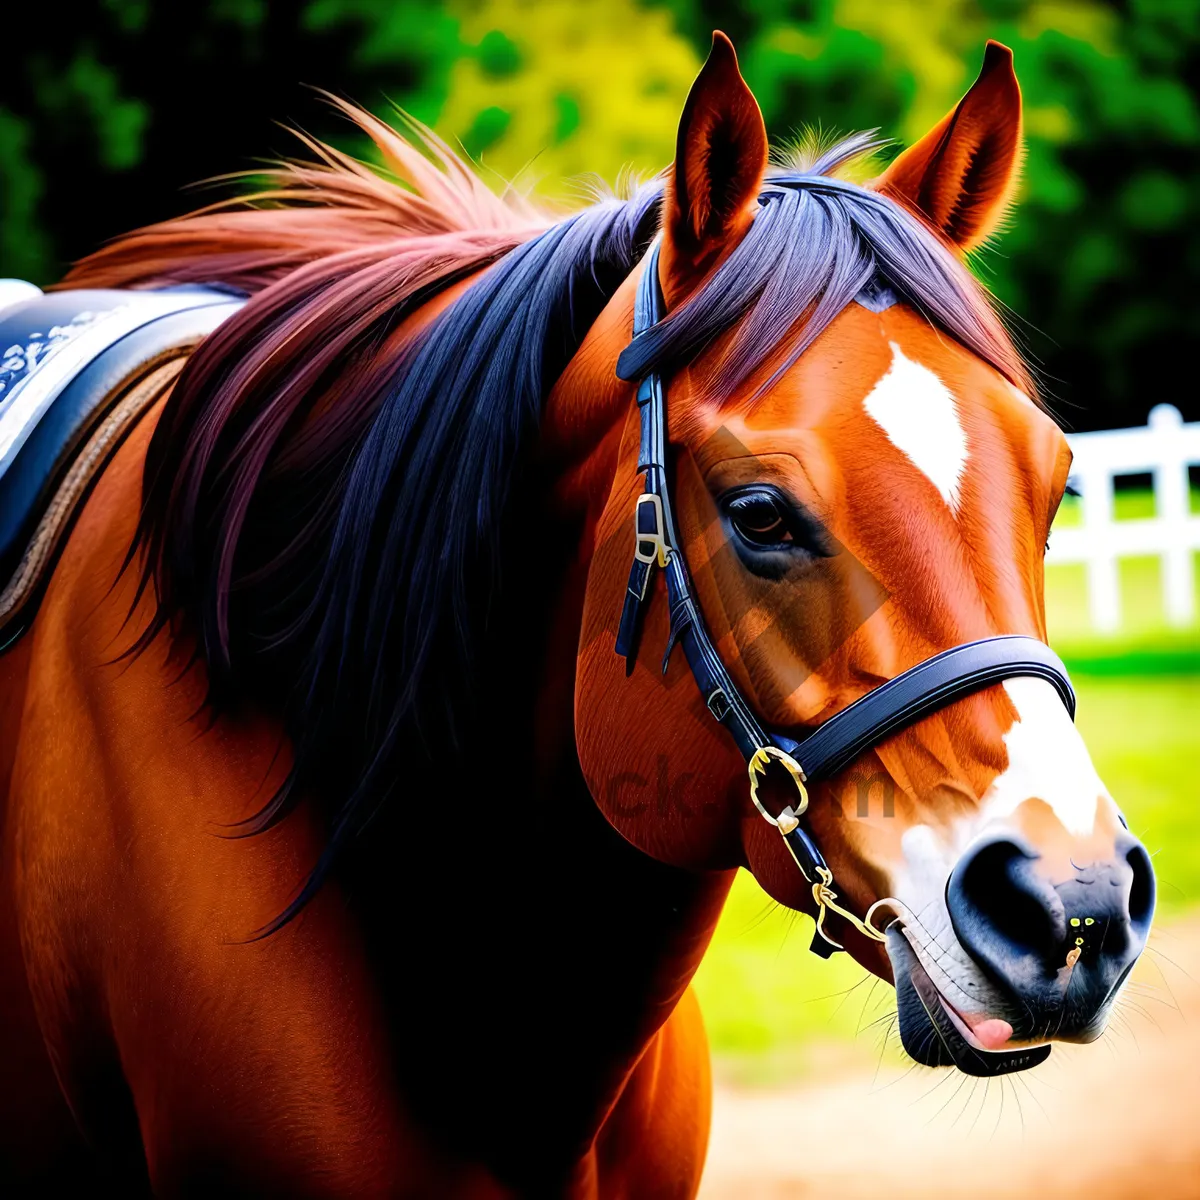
929	686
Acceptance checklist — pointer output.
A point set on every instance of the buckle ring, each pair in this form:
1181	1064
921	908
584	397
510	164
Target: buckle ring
655	536
789	818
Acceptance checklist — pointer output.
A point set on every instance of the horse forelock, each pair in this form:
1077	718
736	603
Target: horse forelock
325	490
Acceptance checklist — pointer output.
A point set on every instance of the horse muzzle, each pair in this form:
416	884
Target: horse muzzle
1037	960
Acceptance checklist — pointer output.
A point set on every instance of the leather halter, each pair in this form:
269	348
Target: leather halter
902	701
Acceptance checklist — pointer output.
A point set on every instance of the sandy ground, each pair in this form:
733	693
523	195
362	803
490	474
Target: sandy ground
1119	1118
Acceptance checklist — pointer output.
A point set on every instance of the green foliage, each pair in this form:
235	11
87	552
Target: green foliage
107	119
23	241
103	124
567	88
405	48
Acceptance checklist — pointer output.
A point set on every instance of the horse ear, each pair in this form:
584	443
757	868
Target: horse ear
720	158
961	175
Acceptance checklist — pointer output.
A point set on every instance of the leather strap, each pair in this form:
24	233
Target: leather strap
659	548
924	689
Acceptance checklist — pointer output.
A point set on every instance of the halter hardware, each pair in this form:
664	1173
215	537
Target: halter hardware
787	822
826	900
650	531
894	705
760	760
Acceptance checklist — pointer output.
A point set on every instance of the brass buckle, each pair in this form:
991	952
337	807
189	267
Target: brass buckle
659	552
789	818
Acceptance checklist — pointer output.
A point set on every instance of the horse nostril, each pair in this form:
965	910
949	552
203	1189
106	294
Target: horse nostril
1141	888
999	906
1024	929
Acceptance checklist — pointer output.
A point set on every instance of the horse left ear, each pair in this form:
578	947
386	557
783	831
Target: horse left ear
720	159
961	175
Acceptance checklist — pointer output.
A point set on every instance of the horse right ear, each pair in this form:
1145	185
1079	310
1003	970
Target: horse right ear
961	175
720	160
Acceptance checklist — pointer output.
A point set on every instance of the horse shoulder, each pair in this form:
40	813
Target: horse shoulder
654	1140
255	1065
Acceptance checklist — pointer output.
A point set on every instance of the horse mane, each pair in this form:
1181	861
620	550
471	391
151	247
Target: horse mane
324	491
312	209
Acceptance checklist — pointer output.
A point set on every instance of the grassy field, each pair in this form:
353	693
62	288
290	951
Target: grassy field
774	1011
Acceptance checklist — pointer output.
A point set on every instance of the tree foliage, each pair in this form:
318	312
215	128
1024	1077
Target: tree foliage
107	116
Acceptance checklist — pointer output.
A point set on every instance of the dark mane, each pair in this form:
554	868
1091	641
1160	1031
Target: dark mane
324	491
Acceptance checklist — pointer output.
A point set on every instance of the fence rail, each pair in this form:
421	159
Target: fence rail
1165	448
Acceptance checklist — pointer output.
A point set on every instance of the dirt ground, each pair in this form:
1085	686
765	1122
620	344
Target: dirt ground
1119	1118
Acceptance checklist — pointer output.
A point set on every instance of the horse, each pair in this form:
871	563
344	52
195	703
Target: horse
342	854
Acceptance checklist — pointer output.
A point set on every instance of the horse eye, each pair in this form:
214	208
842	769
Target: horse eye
759	518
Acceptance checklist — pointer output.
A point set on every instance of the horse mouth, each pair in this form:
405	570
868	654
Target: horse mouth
934	1034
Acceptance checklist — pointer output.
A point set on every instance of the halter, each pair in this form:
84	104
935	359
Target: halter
902	701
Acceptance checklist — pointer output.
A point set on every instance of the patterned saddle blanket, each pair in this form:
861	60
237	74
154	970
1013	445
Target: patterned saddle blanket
77	369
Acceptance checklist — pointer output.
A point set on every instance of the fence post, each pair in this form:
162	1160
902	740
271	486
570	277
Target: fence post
1103	584
1171	507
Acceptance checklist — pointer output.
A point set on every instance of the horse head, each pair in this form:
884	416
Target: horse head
861	480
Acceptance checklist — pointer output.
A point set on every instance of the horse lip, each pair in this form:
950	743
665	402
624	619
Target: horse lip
964	1030
963	1048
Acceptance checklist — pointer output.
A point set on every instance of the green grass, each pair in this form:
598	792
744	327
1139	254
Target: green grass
1129	504
1144	736
774	1011
1145	645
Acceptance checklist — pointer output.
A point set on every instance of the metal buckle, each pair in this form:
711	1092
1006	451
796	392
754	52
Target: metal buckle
789	818
826	900
655	538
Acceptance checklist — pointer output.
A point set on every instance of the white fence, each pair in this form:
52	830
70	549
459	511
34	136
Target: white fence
1165	448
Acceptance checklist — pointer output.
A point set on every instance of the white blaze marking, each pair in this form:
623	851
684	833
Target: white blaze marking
917	412
1047	760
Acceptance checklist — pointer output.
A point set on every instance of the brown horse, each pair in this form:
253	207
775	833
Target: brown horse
351	588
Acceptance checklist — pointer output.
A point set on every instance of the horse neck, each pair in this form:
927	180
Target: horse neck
525	916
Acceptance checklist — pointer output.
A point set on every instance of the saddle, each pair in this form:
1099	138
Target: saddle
77	371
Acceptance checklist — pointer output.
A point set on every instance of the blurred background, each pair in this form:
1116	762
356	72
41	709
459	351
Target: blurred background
110	109
111	112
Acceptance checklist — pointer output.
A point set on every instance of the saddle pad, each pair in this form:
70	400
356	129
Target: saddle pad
77	369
